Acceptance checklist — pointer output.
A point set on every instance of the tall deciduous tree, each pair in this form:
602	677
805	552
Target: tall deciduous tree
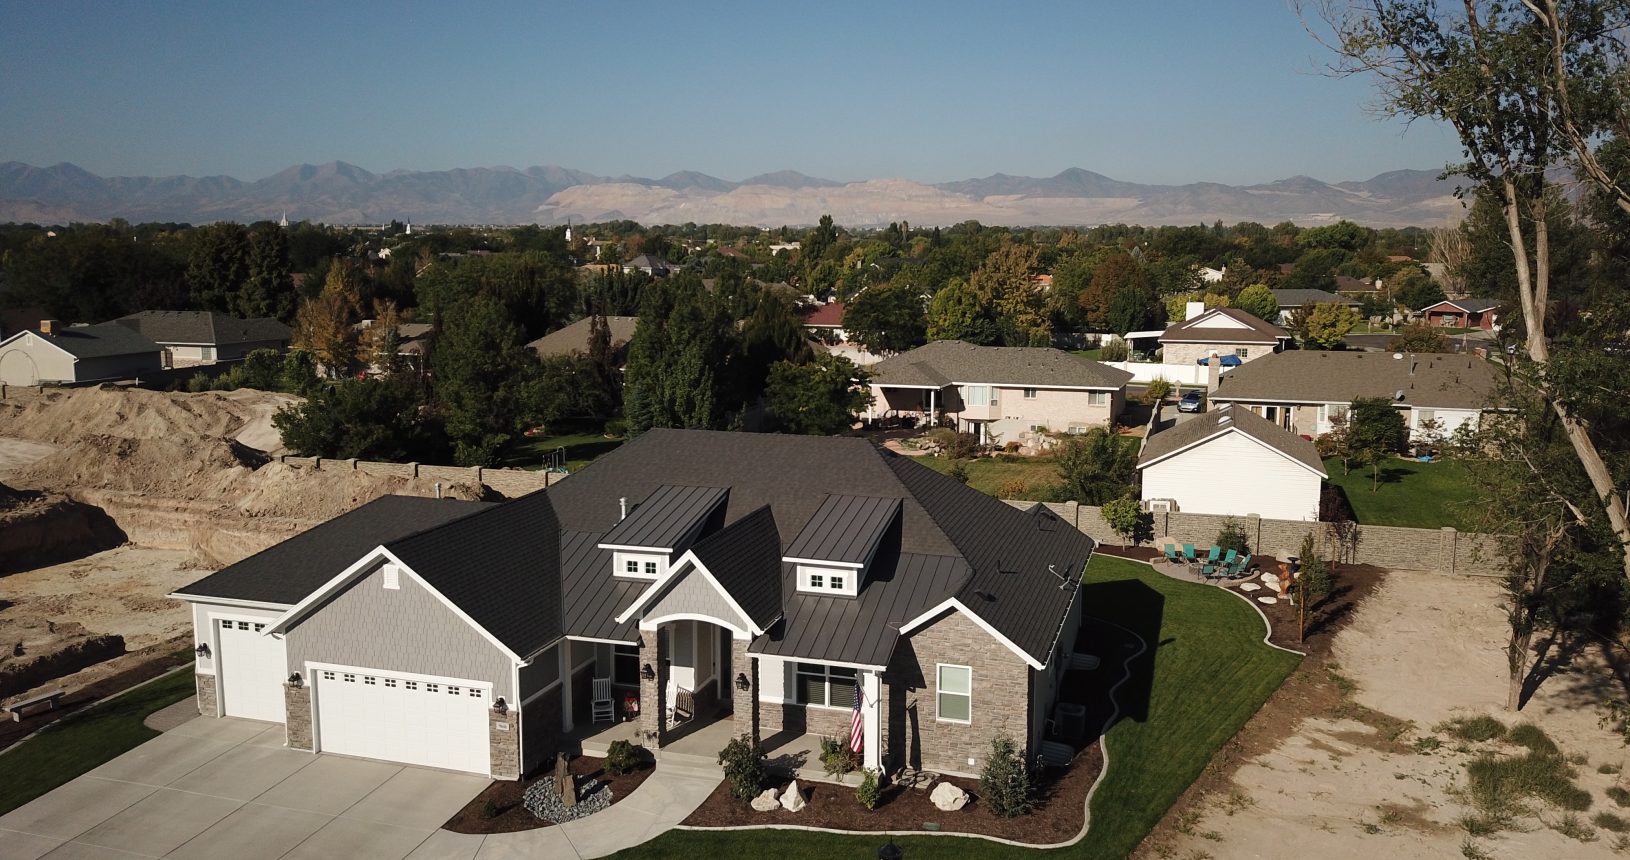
268	286
1328	323
956	314
1095	467
1258	301
1004	283
818	398
218	265
887	318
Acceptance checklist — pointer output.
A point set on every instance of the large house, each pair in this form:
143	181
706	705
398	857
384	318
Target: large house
763	583
1224	331
573	339
1302	391
1463	313
1004	390
1233	462
191	338
56	354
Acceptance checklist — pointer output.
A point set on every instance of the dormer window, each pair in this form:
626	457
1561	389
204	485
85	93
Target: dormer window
638	565
821	579
836	546
659	529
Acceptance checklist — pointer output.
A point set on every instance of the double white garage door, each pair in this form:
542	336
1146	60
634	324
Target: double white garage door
414	719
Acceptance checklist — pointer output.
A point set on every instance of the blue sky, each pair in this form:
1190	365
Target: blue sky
1164	92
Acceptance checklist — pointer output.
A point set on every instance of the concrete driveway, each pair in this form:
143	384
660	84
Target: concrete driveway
227	788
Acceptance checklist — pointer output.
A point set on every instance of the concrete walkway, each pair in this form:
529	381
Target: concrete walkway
662	801
174	716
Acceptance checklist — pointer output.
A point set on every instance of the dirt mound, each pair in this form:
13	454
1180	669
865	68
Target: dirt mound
132	413
42	528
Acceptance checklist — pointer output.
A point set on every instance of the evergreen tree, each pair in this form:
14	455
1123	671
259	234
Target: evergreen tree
478	365
218	265
268	288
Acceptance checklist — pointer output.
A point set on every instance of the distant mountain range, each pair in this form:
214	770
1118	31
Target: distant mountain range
341	193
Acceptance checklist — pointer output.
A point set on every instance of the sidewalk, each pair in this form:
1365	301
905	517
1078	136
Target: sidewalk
662	801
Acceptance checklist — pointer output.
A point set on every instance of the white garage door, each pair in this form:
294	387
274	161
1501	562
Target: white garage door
435	722
250	666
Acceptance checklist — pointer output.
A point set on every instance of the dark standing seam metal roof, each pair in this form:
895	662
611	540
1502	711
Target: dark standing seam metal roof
1171	437
845	529
666	517
98	341
591	597
745	558
487	564
288	572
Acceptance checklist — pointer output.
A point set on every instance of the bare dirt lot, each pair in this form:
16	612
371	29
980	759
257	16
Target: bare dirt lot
1351	758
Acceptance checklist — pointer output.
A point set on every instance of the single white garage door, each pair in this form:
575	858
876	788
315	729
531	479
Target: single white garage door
412	719
250	667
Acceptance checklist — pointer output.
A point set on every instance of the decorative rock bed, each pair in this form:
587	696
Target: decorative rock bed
543	801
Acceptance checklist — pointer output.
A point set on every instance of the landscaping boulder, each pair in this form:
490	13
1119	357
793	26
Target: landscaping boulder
948	798
792	800
765	802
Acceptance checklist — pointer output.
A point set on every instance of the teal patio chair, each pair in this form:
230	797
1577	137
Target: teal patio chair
1172	556
1214	555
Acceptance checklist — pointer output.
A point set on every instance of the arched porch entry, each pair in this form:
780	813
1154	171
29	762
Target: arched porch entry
694	683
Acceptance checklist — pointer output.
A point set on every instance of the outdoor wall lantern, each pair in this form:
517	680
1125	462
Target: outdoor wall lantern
202	650
296	681
646	672
890	851
500	706
741	681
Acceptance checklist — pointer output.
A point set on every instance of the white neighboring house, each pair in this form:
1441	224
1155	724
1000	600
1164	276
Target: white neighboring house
57	354
1213	276
1231	462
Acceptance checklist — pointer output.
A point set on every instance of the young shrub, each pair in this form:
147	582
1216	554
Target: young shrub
1232	537
870	790
1115	350
743	763
1004	783
489	810
1157	391
622	757
836	757
959	472
1315	573
1124	515
1013	488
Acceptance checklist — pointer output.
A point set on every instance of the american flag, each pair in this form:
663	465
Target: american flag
857	733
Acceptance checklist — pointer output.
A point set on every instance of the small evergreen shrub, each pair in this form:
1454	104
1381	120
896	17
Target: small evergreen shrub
870	790
622	757
743	763
959	472
836	757
1004	783
489	810
1233	537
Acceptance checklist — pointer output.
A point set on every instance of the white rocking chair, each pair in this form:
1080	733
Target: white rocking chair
600	703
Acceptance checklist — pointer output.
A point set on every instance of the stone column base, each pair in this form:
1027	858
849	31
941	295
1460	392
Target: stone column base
207	703
297	717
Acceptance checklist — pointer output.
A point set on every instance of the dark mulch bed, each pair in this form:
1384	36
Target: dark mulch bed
1136	553
1325	616
507	794
1058	816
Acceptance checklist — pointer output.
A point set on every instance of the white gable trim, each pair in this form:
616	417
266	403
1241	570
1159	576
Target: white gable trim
959	606
228	601
43	339
689	558
352	573
1223	431
654	622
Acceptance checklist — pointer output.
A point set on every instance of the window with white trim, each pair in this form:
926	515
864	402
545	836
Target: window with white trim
1030	394
825	686
632	567
651	568
1097	398
827	580
1243	352
978	395
953	690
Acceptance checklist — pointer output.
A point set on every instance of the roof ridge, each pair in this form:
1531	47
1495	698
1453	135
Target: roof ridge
489	507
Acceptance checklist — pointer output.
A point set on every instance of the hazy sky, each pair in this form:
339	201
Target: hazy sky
1144	91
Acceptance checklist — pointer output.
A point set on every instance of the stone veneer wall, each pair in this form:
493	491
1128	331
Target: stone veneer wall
504	743
744	706
297	717
1001	695
206	695
653	691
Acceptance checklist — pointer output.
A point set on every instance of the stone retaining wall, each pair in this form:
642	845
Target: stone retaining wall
508	483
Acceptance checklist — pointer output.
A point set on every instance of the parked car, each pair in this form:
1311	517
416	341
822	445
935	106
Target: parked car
1193	401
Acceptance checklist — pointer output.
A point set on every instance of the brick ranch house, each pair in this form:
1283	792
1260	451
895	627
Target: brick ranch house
1464	313
769	580
1002	390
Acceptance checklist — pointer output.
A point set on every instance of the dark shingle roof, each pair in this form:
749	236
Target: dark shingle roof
1301	298
1173	437
287	572
99	341
745	559
845	529
574	338
1251	329
204	327
666	517
945	361
1431	380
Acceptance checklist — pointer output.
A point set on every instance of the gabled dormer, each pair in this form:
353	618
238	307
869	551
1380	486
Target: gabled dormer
660	528
836	547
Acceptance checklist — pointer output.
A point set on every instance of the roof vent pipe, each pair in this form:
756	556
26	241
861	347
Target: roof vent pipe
622	506
438	489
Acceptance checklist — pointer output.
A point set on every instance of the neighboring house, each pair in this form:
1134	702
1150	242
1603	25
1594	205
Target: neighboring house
204	337
1464	313
1004	390
770	581
412	344
1302	391
59	354
574	339
1224	331
1292	300
649	264
1212	276
825	322
778	247
1230	461
1350	286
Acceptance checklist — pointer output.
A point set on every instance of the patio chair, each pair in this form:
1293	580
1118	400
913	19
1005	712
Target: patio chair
684	705
1188	553
1172	556
601	707
1214	555
1211	568
1242	568
1228	559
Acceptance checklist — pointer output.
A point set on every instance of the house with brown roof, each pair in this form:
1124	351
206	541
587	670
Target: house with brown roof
1221	331
998	390
1304	391
574	338
1233	462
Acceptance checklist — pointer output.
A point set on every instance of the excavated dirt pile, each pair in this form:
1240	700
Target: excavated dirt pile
38	528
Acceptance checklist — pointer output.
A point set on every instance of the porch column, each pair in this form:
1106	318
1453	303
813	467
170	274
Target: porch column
563	653
744	703
653	690
870	708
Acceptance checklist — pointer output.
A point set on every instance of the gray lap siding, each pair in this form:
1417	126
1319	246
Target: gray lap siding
407	629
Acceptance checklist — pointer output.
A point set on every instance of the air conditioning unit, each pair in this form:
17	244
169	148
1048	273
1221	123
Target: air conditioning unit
1160	506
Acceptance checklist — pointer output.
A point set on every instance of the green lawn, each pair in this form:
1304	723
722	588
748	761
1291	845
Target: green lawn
582	444
990	475
1412	493
1096	353
69	748
1206	672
